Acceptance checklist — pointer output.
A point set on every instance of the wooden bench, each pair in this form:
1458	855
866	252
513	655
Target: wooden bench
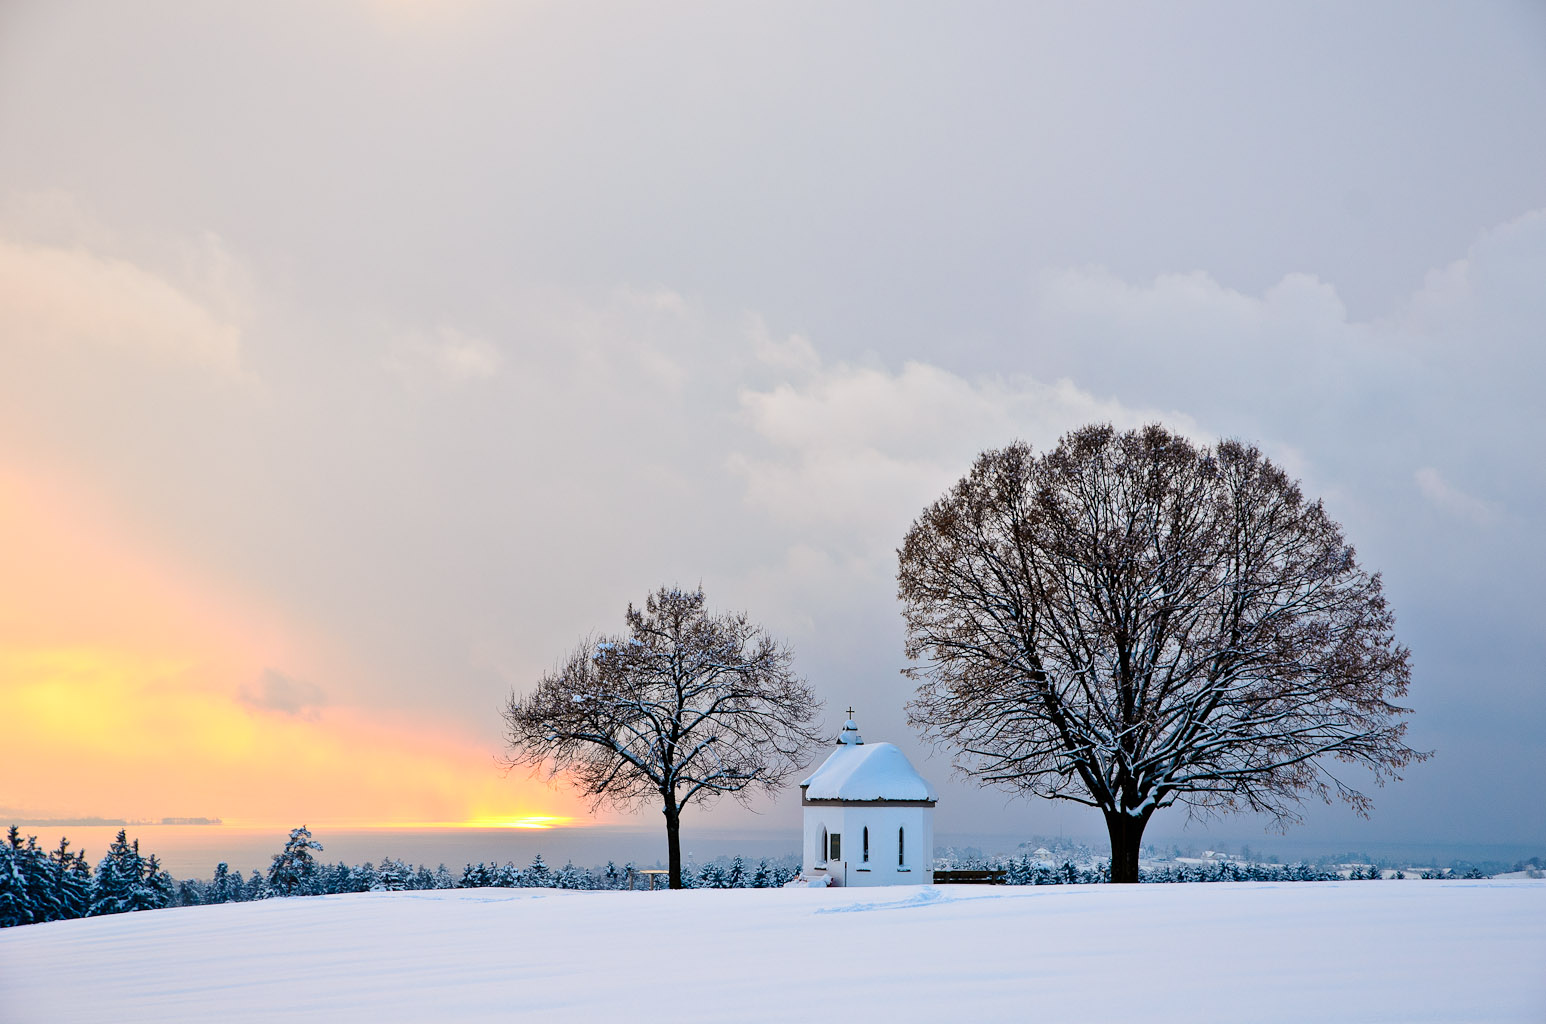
977	877
652	873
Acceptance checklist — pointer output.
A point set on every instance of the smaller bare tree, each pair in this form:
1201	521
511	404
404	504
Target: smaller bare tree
686	707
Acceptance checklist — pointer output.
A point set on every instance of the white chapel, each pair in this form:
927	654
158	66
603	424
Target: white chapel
869	816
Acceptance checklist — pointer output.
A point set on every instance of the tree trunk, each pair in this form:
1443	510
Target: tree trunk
674	842
1126	831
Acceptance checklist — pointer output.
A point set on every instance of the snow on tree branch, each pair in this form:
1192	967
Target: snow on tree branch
687	706
1131	622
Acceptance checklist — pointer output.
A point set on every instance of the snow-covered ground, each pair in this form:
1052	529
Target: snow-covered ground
1342	951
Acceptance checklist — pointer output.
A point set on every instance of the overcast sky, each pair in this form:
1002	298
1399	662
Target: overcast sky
357	359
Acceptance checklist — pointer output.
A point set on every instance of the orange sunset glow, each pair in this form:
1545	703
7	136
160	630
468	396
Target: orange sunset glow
126	687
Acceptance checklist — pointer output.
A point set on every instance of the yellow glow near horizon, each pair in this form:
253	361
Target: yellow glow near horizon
116	734
121	682
531	821
535	821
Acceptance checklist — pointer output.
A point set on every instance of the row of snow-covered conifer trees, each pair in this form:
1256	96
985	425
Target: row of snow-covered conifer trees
38	885
1025	871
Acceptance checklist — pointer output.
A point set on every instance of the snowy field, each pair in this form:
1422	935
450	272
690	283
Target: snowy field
1354	951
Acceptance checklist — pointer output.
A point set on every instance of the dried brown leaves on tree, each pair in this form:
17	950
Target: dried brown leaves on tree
684	707
1131	622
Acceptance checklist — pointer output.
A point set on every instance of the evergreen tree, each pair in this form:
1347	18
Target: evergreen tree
189	894
42	880
74	880
610	876
220	887
392	876
737	876
538	874
117	873
293	866
127	881
15	907
363	878
155	888
508	876
341	877
763	878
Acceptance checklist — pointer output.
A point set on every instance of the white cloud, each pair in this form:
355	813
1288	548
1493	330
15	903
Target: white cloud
793	354
54	216
1348	404
867	448
54	297
660	300
1512	250
1198	343
445	354
1443	495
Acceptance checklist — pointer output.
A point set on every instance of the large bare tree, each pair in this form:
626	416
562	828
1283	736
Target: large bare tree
687	706
1130	622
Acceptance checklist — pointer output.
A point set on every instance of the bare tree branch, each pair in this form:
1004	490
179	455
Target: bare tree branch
685	707
1130	622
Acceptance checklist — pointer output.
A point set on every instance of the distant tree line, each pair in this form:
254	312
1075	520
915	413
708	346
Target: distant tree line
1025	870
37	885
725	873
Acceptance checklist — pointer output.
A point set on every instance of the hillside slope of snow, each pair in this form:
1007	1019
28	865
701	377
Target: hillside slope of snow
1356	951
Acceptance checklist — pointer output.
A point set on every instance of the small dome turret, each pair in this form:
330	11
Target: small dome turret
878	773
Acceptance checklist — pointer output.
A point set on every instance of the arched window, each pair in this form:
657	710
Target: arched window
821	847
901	847
866	844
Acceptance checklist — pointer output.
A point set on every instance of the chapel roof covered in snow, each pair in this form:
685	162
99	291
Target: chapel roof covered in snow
866	772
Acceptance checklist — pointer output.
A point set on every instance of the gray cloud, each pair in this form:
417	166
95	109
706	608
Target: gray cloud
275	691
1453	500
